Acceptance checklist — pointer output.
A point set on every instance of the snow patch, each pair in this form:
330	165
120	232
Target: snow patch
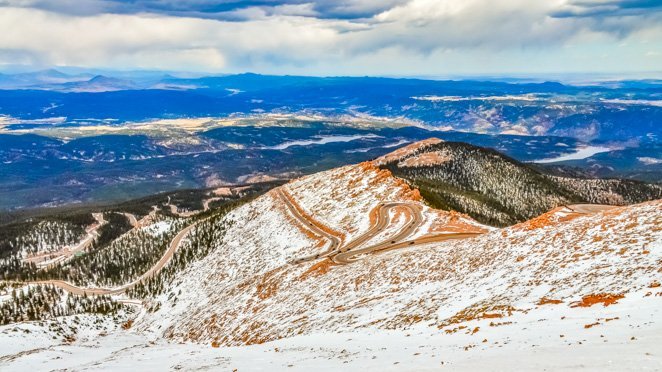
649	161
580	153
321	140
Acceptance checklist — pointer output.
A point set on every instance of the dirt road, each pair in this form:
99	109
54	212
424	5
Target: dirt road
311	224
351	251
338	250
49	259
346	253
167	256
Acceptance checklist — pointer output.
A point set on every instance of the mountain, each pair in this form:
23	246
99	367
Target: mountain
351	268
496	189
54	80
46	76
504	285
98	83
267	239
601	113
39	79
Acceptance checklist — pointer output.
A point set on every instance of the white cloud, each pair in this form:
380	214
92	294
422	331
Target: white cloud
112	40
415	37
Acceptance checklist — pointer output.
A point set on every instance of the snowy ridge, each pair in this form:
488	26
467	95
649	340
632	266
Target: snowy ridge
247	292
342	198
263	240
493	276
406	151
576	286
260	239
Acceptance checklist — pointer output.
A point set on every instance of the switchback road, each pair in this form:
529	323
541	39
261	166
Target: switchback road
339	251
346	253
351	251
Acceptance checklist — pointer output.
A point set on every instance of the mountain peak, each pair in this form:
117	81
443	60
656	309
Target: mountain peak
103	78
406	151
52	73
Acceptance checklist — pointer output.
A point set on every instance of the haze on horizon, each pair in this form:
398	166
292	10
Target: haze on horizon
350	37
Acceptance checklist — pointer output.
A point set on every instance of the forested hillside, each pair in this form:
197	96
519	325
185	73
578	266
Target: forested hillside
498	190
43	234
41	302
109	248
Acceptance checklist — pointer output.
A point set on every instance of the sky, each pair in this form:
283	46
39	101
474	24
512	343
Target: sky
345	37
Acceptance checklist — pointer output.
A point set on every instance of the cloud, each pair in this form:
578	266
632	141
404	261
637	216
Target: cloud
216	9
608	8
428	25
156	41
333	37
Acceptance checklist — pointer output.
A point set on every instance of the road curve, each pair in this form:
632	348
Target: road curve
205	203
351	256
349	252
50	259
132	219
167	256
205	207
346	253
338	251
312	225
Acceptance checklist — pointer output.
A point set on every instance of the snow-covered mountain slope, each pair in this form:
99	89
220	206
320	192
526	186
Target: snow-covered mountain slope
343	198
564	264
578	286
264	238
627	340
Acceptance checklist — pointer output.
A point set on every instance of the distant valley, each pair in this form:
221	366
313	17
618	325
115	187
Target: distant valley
81	137
607	111
85	164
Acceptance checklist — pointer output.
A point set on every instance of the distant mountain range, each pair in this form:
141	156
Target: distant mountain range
613	111
97	136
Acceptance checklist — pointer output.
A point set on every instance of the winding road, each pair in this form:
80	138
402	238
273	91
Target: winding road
338	251
205	207
132	219
352	251
312	225
347	253
167	256
50	259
